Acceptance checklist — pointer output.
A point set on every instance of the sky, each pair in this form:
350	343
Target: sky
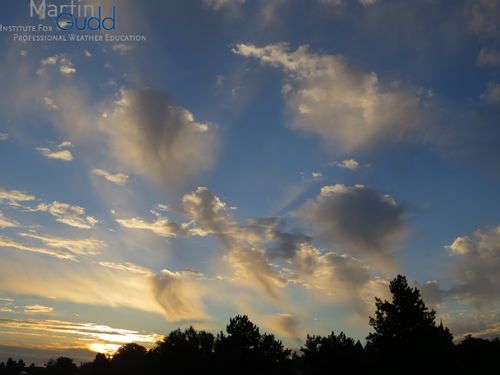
283	159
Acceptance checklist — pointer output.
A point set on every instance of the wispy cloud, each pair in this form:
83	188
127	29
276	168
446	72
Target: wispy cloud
3	136
488	56
12	244
15	197
38	309
68	214
75	246
492	93
64	65
91	336
224	4
347	164
7	223
128	267
161	226
115	178
123	48
64	155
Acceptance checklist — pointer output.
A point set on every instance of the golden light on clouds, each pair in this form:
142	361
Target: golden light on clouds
90	336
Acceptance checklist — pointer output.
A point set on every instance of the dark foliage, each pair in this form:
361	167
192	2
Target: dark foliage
340	352
405	332
244	350
405	340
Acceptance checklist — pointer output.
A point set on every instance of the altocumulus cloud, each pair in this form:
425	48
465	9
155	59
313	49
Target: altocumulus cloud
285	324
68	214
15	197
115	178
150	135
476	265
179	294
356	218
38	309
255	248
224	4
7	223
64	155
349	108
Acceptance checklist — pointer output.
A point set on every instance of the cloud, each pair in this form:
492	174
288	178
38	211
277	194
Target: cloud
431	292
339	275
150	135
77	247
123	48
128	267
475	267
252	268
64	155
68	214
348	108
347	164
492	93
252	247
179	294
224	4
91	336
483	18
38	309
117	178
15	197
64	65
488	56
356	218
4	136
161	226
285	325
85	281
262	254
50	105
341	2
6	242
64	144
7	223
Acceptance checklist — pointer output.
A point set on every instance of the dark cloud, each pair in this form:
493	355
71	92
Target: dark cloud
431	292
355	218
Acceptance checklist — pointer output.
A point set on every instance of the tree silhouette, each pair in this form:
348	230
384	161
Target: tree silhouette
405	329
245	351
100	366
405	339
339	352
129	359
61	366
187	352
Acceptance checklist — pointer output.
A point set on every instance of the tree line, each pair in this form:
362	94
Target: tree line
405	339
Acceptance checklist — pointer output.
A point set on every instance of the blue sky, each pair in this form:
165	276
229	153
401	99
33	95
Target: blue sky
283	159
